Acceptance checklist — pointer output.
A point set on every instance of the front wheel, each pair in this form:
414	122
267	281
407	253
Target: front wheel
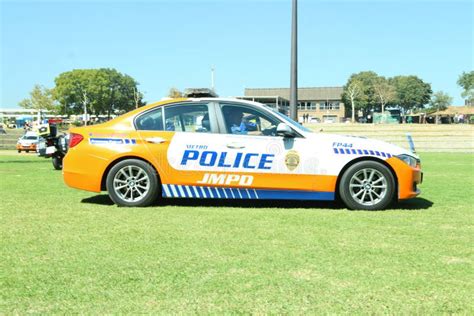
367	185
133	182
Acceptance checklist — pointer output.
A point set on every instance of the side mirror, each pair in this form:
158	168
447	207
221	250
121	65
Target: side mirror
285	131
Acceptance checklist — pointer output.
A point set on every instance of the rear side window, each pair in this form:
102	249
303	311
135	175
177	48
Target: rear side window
179	118
188	118
151	121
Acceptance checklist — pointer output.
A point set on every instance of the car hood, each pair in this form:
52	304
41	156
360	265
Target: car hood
355	142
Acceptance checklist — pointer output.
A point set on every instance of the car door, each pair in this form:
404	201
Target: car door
172	133
275	162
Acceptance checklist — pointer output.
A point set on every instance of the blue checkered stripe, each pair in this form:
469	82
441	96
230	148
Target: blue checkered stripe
202	192
112	141
351	151
189	191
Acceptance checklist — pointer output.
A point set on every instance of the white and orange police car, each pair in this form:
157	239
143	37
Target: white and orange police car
233	149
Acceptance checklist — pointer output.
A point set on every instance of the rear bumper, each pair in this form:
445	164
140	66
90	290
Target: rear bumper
81	181
83	172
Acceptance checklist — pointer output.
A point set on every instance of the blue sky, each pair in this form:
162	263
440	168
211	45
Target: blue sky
164	44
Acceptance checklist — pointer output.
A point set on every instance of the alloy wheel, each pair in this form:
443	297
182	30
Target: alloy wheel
131	183
368	186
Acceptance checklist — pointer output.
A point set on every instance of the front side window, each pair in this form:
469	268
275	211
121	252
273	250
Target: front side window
247	121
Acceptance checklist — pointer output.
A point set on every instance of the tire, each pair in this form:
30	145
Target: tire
367	185
125	190
27	151
57	163
19	151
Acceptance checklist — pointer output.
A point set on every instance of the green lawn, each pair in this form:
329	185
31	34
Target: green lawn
69	251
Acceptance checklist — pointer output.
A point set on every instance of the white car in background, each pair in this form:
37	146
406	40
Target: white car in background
28	142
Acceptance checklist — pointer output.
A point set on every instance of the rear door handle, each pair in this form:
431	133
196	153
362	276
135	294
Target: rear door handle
235	146
155	140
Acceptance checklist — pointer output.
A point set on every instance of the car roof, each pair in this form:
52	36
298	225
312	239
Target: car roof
169	101
229	99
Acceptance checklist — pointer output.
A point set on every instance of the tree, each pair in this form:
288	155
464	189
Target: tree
365	99
466	81
175	93
439	102
411	92
70	88
123	94
41	98
108	91
354	92
384	91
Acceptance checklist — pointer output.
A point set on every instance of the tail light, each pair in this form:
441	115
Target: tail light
75	139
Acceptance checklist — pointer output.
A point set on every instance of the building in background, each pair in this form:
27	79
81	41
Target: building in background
323	104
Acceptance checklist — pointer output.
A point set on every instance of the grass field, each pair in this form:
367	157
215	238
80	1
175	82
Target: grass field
69	251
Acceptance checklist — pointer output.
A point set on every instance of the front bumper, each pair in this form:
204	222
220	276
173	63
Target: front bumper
417	180
408	178
26	147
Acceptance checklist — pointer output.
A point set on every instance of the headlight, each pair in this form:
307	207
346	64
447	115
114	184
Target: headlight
409	160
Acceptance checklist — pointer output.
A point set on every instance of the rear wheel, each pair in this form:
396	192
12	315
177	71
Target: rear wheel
367	185
19	151
133	182
57	162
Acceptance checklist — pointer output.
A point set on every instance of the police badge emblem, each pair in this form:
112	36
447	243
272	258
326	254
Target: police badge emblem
292	159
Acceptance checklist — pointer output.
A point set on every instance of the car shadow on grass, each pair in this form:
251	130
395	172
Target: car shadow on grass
286	204
413	204
104	199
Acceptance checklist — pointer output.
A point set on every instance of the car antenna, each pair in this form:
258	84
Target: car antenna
411	143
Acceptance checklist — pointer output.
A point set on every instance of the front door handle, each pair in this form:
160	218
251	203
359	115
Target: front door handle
155	140
235	145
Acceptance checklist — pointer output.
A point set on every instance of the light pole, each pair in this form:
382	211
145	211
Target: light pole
85	100
294	63
213	88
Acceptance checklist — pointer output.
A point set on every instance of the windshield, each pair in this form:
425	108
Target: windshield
290	122
30	137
